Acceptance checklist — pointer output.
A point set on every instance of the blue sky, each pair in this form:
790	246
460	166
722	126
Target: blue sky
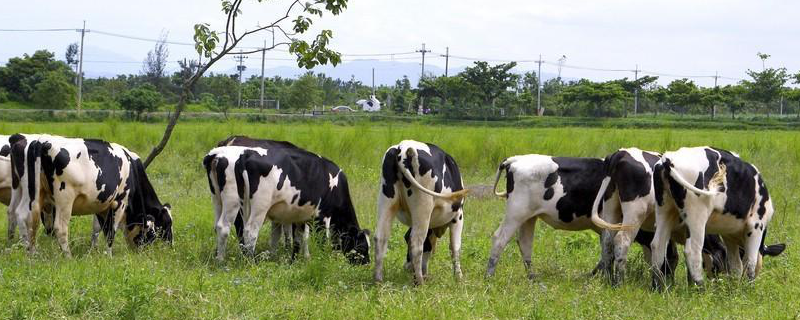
674	37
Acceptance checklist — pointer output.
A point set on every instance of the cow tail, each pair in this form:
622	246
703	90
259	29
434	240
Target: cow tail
595	214
245	196
716	180
502	167
771	250
412	153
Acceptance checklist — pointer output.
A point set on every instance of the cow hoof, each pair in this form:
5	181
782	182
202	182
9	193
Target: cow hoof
531	276
419	281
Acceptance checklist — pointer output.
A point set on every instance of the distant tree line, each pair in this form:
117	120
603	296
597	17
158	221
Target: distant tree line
41	81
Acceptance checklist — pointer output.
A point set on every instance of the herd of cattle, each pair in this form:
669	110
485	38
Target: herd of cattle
630	196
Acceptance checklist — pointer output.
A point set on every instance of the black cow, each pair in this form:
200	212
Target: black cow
83	176
728	197
422	187
286	184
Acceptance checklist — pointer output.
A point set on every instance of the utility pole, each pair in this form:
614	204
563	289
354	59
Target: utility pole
422	76
636	90
263	57
241	67
561	64
423	51
80	69
446	56
539	110
714	107
373	82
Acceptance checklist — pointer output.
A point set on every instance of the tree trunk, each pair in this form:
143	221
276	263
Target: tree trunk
173	120
713	111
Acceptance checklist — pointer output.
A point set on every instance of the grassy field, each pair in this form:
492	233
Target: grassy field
184	282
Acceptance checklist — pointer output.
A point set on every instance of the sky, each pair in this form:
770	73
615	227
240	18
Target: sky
696	38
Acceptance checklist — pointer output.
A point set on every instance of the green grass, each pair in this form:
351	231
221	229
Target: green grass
184	282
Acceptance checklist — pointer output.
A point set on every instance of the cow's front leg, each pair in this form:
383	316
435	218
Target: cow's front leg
455	245
276	230
300	239
525	242
387	209
97	226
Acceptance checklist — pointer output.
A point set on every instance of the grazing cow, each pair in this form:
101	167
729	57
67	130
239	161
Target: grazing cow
728	197
83	176
286	184
422	187
560	191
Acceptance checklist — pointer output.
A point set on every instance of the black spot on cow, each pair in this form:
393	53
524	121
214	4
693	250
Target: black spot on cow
549	181
629	175
457	205
749	233
581	178
408	192
5	151
658	183
762	191
109	166
509	181
295	197
677	191
78	156
389	172
18	144
53	166
650	158
741	184
63	185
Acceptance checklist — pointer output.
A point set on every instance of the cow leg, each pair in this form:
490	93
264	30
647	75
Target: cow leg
288	230
223	225
695	218
12	217
387	209
97	226
455	245
427	250
258	213
733	259
48	218
516	214
665	223
61	226
611	213
421	208
275	236
751	252
113	221
300	239
525	242
634	213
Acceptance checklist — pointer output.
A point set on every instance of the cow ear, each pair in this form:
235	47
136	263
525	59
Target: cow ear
367	232
167	206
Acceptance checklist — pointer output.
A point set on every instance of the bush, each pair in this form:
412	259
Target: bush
145	98
54	92
3	95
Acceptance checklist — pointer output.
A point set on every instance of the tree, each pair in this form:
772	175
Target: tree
54	92
154	66
21	74
490	80
305	93
596	94
793	95
71	56
659	95
733	96
709	98
298	18
683	93
765	85
145	98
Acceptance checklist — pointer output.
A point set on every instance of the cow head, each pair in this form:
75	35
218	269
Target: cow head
154	226
355	245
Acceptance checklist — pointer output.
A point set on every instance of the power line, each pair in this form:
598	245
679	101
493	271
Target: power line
38	30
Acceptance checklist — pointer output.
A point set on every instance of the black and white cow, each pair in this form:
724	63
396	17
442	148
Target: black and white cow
85	177
5	170
728	197
422	187
286	184
560	191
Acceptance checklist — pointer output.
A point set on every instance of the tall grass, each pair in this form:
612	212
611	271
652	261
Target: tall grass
183	281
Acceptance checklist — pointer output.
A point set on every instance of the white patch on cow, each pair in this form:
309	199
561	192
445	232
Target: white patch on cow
333	181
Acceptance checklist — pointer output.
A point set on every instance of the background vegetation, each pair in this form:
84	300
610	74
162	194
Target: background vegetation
183	281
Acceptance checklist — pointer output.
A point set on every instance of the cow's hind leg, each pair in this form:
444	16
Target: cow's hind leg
665	223
751	252
421	208
300	239
634	213
516	214
387	209
695	218
455	245
525	242
223	225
